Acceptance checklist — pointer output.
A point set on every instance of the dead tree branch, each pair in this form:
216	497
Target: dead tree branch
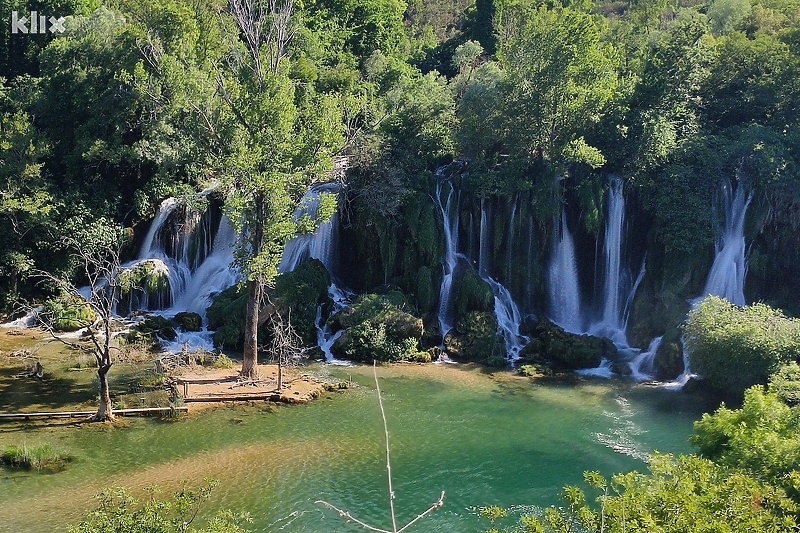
346	514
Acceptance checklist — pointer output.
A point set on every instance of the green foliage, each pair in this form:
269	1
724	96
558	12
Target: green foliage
687	493
474	338
762	438
119	512
550	345
226	317
378	327
726	15
493	512
471	293
786	383
736	347
67	313
42	457
300	292
223	361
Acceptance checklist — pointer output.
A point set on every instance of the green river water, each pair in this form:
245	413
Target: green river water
482	439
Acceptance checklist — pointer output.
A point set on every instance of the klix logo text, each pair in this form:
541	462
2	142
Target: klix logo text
36	23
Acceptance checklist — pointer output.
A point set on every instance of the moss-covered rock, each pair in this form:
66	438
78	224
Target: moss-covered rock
552	346
471	294
189	321
302	291
144	285
67	313
669	357
474	338
226	317
378	327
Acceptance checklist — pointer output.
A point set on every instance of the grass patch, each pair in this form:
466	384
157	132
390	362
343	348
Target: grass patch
42	457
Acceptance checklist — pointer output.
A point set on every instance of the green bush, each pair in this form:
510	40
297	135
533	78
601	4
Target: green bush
786	383
735	347
762	438
67	313
302	290
226	317
223	361
475	338
471	293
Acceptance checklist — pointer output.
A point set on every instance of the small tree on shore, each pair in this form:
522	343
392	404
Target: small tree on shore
90	310
286	344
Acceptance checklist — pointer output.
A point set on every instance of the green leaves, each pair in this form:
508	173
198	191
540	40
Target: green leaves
120	512
736	347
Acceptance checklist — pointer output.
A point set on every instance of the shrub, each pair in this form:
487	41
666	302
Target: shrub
735	347
67	313
223	361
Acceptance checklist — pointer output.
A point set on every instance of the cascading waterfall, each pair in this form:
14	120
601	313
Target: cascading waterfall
320	244
505	309
728	272
618	291
642	365
179	248
451	256
565	300
483	248
726	278
613	275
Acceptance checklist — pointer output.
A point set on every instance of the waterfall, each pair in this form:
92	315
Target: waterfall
612	314
179	248
451	255
319	244
726	278
483	248
505	309
618	292
565	305
642	365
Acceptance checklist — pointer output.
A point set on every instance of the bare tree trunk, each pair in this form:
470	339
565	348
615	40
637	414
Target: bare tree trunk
280	375
104	410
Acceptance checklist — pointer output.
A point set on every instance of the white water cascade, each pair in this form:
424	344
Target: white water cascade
505	309
320	244
726	278
197	264
564	292
451	256
181	248
642	365
618	291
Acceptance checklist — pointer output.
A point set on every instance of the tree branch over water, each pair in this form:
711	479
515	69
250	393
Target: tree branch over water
346	514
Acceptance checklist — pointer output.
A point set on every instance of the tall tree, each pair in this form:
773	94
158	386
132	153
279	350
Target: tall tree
277	146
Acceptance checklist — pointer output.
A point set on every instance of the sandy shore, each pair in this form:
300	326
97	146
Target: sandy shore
206	387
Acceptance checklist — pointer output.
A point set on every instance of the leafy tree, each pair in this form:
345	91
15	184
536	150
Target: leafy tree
119	512
762	438
687	493
558	77
275	149
735	347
